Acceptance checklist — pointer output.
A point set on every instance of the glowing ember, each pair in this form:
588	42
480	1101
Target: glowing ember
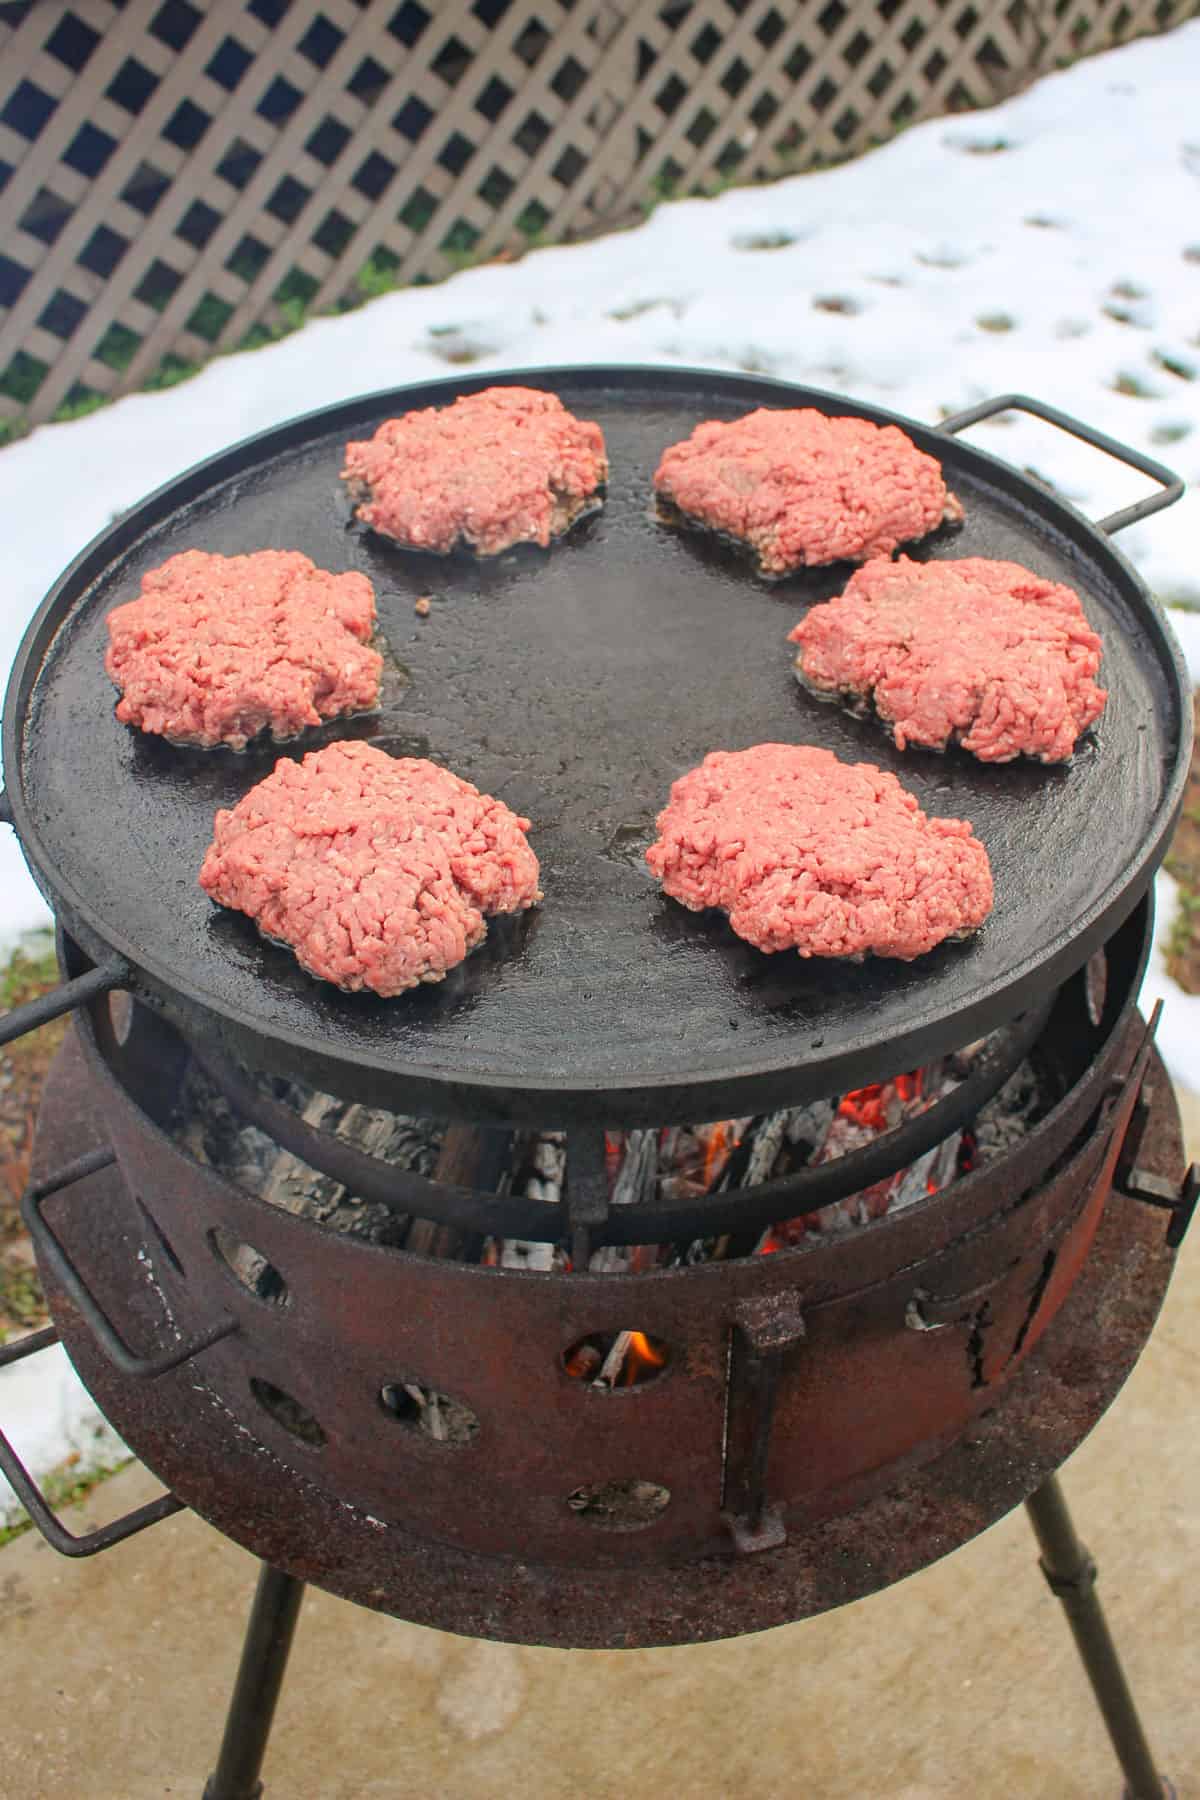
721	1142
882	1105
616	1359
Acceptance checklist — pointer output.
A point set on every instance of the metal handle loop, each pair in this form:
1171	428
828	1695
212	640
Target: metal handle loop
35	1502
1172	485
50	1251
64	999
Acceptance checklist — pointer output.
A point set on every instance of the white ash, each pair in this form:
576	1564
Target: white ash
537	1171
644	1166
207	1127
1003	1122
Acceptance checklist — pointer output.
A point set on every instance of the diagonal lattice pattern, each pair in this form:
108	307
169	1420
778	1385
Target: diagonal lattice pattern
174	178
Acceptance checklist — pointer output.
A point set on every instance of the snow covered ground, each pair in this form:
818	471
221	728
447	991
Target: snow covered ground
54	1425
1050	245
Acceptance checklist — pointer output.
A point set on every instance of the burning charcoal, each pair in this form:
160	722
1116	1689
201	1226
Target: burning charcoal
550	1156
439	1416
693	1158
962	1062
635	1180
809	1124
584	1362
702	1250
544	1152
611	1259
616	1359
767	1145
518	1253
212	1132
1008	1115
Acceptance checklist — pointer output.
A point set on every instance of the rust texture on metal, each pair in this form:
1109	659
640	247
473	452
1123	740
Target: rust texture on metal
865	1393
286	1509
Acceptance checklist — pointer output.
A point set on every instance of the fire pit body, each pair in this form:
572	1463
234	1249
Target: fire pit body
634	1288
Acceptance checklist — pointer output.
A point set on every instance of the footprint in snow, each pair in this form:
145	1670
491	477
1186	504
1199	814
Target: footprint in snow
763	240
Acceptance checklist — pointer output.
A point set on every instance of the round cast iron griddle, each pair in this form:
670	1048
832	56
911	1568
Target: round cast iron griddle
577	685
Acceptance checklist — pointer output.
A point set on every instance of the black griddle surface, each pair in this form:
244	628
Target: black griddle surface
577	685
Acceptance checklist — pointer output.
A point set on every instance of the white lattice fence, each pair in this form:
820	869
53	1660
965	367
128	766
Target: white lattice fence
177	177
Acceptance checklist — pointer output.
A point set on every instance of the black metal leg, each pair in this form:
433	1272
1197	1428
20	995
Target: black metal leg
1071	1575
259	1678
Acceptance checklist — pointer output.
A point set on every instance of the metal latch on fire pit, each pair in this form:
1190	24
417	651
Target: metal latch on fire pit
765	1329
1134	1183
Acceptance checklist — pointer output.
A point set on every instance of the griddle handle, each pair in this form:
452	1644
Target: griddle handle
50	1252
34	1501
1172	484
63	999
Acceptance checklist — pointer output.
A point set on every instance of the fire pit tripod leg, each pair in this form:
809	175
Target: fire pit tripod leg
256	1692
1071	1575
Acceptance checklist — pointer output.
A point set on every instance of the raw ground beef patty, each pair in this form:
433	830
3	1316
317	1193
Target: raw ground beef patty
799	488
219	648
811	854
507	466
968	651
377	871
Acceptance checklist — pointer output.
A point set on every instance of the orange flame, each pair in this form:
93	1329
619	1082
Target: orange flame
640	1358
614	1154
720	1143
868	1106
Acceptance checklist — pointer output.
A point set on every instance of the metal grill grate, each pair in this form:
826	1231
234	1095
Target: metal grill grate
176	178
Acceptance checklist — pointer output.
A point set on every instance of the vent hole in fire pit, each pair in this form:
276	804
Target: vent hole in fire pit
287	1412
620	1505
1096	986
437	1416
249	1267
616	1359
120	1012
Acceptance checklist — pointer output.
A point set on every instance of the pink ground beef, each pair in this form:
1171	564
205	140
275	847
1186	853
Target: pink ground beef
970	651
799	488
811	854
507	466
377	871
219	648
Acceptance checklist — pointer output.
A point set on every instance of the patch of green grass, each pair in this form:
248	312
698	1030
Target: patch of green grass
1186	924
28	971
169	373
118	347
21	1296
23	377
78	406
296	287
378	274
12	429
209	317
63	1488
